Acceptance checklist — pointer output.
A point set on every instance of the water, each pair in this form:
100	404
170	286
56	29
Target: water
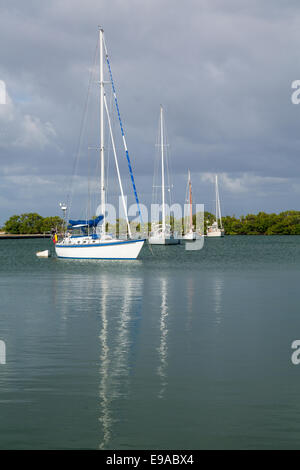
180	350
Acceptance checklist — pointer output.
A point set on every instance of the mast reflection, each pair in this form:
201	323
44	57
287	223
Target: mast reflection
119	315
163	347
218	289
105	417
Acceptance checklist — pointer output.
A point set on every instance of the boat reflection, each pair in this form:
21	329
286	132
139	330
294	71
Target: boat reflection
111	303
116	341
190	294
163	346
218	290
104	394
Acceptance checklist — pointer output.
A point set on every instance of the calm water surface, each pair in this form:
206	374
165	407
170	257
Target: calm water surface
178	350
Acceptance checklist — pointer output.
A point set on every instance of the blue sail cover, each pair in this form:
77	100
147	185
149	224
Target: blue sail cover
85	223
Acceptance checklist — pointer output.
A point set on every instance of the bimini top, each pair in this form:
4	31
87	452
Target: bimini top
85	223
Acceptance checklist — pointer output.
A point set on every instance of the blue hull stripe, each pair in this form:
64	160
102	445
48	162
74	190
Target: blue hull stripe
99	244
99	259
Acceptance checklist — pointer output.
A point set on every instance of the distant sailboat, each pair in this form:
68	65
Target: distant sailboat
190	233
91	244
216	229
161	234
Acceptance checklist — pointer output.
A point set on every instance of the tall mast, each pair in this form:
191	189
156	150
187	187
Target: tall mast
219	208
191	203
102	182
162	170
217	199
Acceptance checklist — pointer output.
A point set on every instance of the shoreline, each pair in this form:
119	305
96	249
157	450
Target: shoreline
7	236
22	236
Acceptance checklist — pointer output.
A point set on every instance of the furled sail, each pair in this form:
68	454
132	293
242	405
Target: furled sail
85	223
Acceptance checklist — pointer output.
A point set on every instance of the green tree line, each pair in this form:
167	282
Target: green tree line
32	223
285	223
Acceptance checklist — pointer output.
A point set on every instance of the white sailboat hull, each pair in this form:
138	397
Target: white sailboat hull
162	235
189	237
163	241
217	233
110	249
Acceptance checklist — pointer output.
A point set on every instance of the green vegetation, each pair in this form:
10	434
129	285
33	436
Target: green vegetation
285	223
31	223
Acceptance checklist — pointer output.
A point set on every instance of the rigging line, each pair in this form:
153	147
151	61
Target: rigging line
90	131
168	176
108	157
150	248
157	162
109	149
82	124
123	135
185	221
169	168
117	166
89	189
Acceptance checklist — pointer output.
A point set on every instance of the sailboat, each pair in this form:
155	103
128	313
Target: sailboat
161	234
216	229
93	243
190	234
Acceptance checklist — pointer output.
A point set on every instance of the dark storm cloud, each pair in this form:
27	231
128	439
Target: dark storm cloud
222	69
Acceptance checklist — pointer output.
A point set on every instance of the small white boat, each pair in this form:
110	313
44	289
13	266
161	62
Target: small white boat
216	229
93	243
189	236
161	234
43	254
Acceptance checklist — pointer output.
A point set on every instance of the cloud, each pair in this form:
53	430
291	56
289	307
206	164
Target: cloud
23	130
35	133
246	182
222	70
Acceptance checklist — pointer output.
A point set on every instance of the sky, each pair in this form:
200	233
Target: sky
223	70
